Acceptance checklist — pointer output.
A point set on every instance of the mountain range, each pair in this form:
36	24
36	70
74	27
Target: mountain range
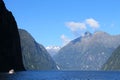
88	52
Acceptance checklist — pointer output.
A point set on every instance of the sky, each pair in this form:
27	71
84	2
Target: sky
56	22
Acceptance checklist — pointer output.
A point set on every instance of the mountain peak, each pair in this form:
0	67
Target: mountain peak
2	5
87	33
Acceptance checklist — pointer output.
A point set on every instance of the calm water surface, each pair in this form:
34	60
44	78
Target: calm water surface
62	75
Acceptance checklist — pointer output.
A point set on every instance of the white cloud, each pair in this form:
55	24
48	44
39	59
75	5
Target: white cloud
65	39
92	23
74	26
79	28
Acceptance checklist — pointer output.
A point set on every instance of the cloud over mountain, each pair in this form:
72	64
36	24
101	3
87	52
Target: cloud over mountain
92	23
74	26
65	39
81	27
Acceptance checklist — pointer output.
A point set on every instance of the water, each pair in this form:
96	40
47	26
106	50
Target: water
62	75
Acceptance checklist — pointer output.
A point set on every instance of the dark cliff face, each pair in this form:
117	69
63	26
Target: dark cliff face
10	49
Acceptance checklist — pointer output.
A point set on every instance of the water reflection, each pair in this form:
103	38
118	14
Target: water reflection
62	75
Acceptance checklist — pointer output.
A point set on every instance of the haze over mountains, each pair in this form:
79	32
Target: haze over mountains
88	52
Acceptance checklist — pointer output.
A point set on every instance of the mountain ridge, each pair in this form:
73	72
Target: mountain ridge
35	56
88	53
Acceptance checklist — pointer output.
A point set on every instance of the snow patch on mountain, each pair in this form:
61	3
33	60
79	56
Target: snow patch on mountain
52	50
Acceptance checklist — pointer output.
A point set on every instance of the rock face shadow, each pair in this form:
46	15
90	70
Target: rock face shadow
10	48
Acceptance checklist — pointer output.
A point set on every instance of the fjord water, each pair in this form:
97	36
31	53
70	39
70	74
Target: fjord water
62	75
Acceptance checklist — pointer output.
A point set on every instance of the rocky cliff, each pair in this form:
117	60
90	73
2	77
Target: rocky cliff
113	63
35	56
10	49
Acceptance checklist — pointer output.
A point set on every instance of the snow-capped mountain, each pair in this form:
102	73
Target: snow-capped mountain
53	50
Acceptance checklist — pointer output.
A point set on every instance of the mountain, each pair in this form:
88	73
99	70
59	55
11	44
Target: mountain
35	56
113	63
88	52
10	48
53	50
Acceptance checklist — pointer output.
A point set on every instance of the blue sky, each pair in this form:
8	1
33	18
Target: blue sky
55	22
